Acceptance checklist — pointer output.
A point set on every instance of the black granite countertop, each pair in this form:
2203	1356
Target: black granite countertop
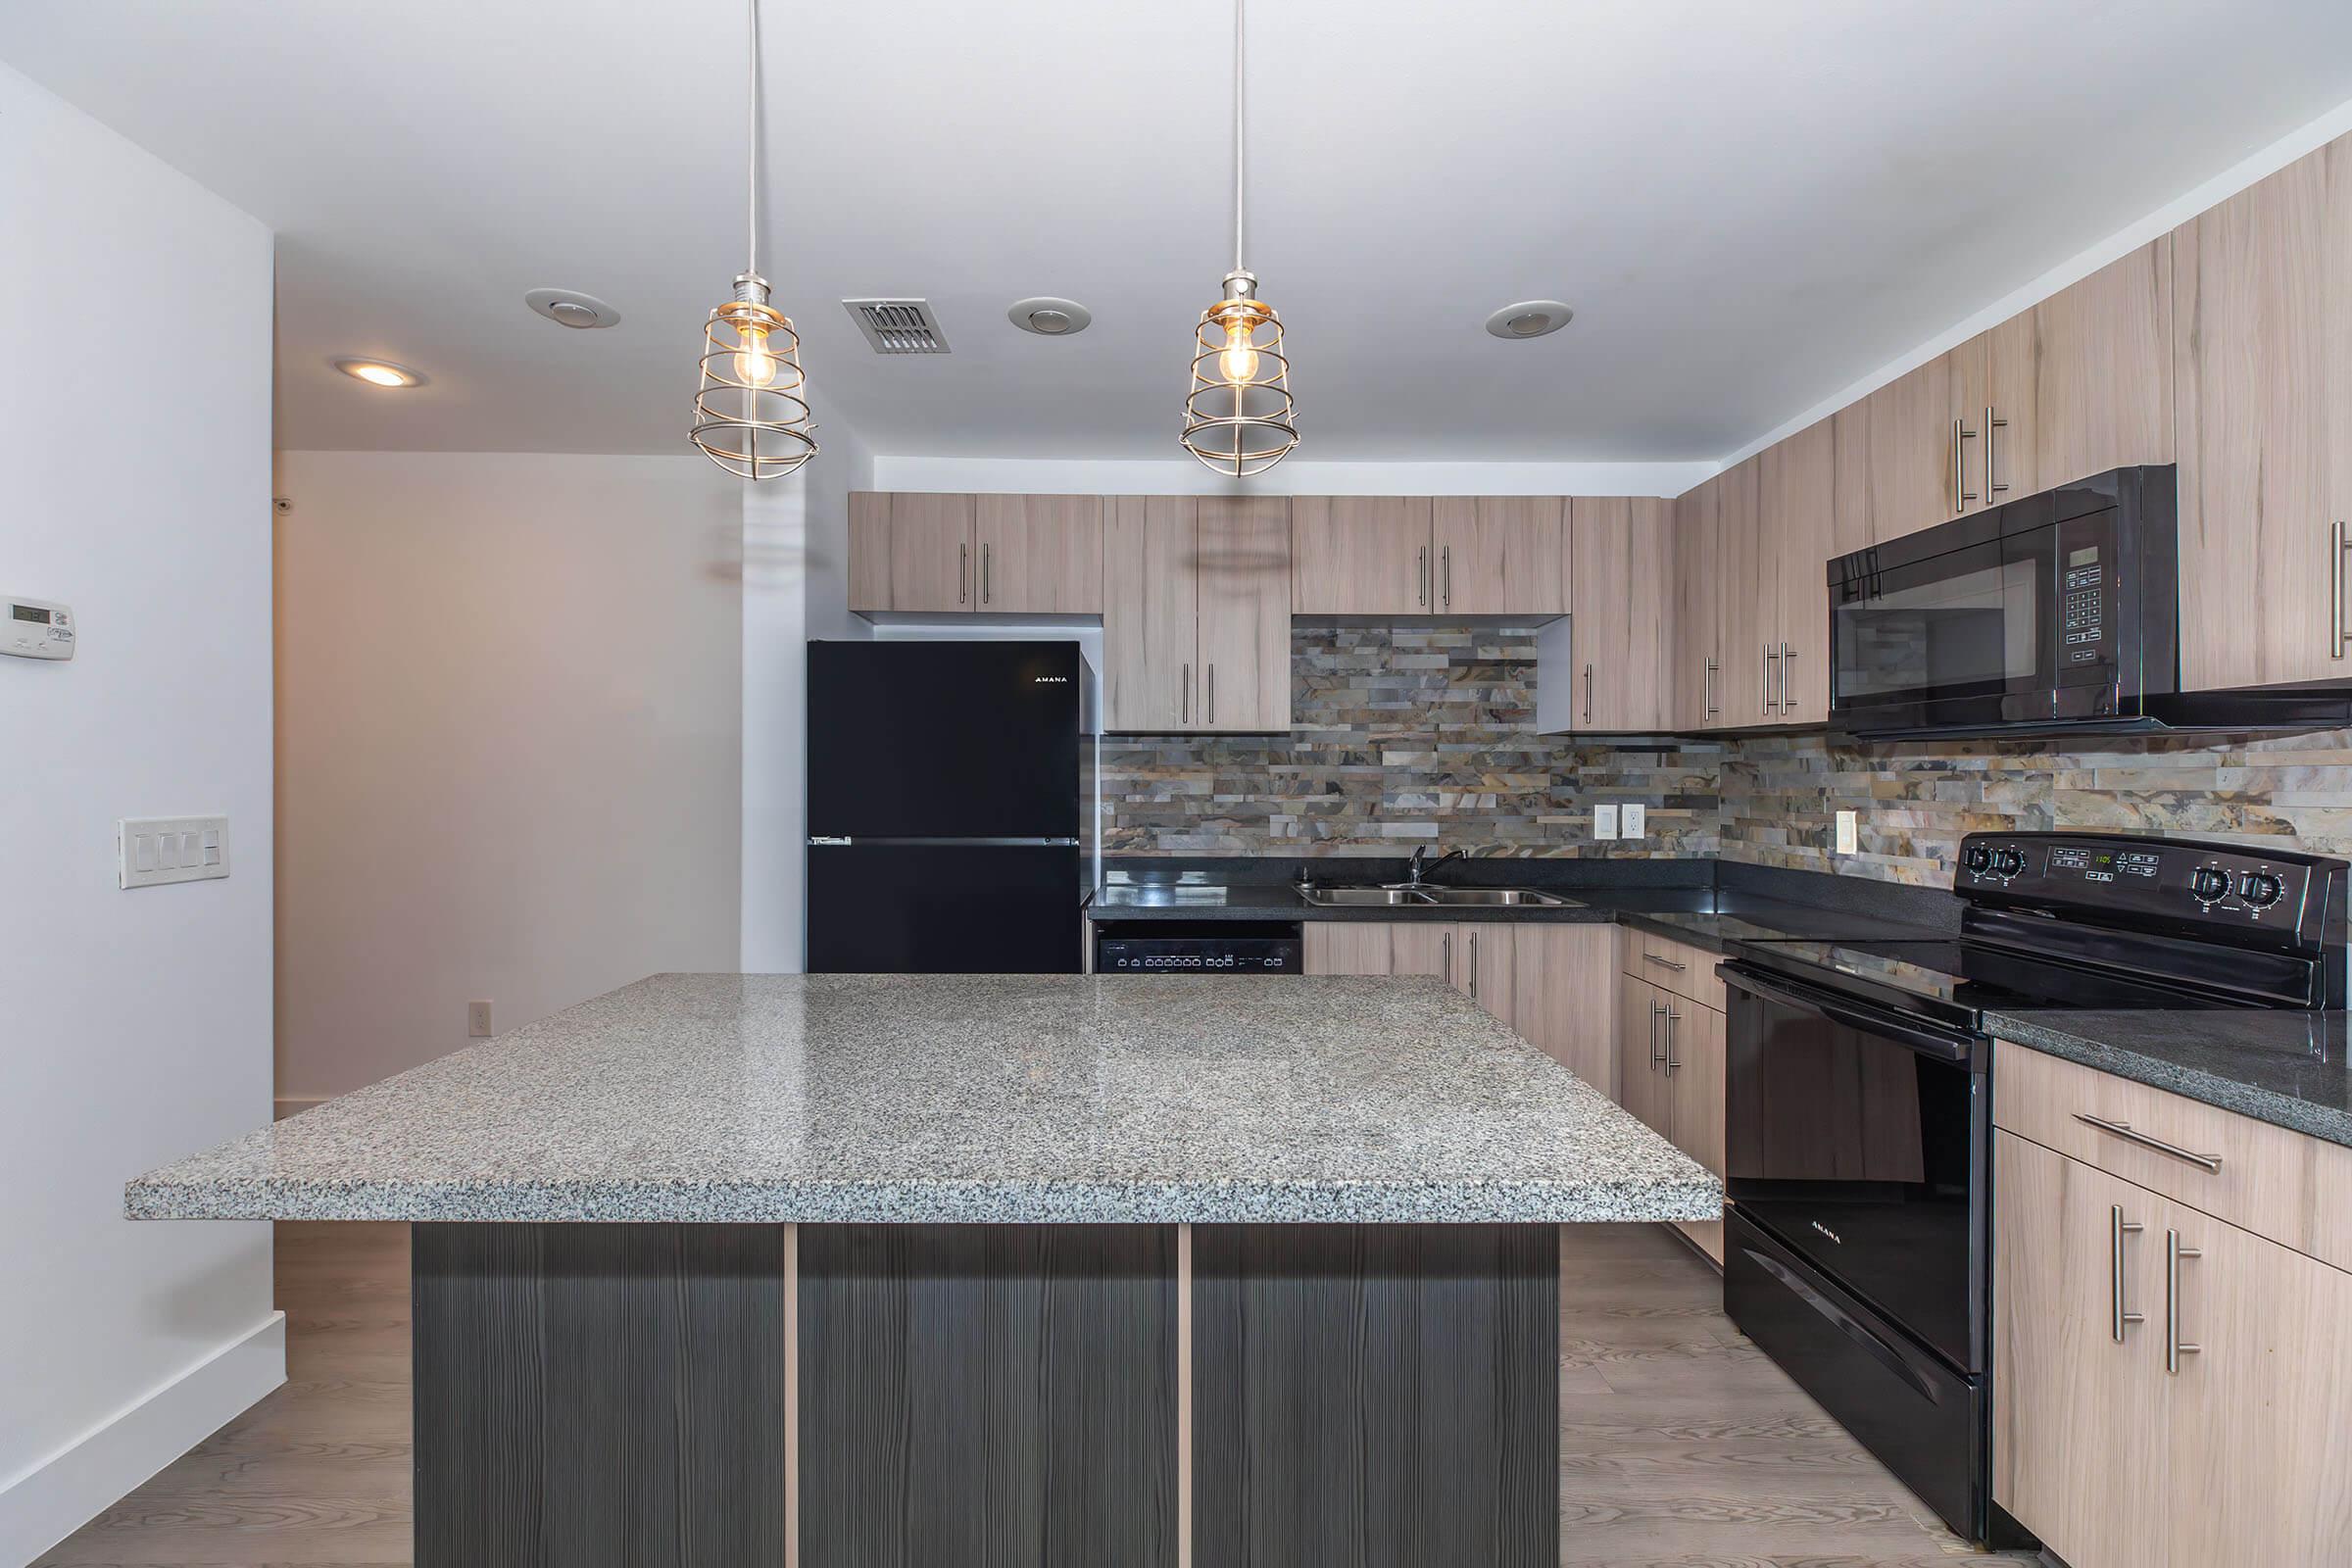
2291	1069
1706	917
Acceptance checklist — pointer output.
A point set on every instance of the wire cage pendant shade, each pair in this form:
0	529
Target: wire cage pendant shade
751	412
1239	418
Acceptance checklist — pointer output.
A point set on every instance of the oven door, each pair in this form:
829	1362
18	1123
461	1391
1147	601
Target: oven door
1860	1140
1973	635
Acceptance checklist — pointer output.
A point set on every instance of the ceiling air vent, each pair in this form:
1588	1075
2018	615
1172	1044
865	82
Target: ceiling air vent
898	327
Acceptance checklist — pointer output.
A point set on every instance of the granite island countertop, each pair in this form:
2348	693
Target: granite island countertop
2286	1068
1009	1098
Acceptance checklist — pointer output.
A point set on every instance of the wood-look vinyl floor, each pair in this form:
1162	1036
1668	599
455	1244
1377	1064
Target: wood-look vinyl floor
1681	1445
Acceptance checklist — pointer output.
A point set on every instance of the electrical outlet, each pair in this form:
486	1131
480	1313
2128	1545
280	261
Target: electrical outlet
1605	821
478	1019
1848	837
1634	817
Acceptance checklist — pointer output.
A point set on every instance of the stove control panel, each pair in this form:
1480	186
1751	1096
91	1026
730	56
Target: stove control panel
2208	884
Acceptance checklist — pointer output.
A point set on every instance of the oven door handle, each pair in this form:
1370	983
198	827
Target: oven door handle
1958	1048
1885	1355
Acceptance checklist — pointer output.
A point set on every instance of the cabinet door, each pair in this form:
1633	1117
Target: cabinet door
1619	549
1797	499
1040	555
2261	345
1696	662
1361	556
2078	1455
870	550
1486	967
1642	1086
1923	443
931	553
2259	1417
1564	996
1695	1079
1423	947
1850	439
1245	614
1499	555
1150	614
2083	382
1346	947
1750	605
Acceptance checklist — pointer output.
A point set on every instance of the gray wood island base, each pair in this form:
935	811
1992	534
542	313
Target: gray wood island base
977	1270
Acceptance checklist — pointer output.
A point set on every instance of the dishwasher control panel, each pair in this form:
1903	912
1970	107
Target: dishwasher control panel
1199	947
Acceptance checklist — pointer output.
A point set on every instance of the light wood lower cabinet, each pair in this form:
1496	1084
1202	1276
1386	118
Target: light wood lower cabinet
2213	1428
1671	1072
1555	984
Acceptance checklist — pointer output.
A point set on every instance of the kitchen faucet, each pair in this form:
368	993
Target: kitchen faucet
1412	876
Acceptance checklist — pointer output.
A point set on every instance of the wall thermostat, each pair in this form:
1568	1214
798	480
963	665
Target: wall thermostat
35	629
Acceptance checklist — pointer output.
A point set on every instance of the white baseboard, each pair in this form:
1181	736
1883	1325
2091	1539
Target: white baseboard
57	1495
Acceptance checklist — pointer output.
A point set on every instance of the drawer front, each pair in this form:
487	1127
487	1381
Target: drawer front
1677	967
2273	1182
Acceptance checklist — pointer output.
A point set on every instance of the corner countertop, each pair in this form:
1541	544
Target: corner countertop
2291	1069
1006	1099
1706	917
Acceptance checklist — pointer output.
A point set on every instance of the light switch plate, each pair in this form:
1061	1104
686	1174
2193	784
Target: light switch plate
1634	817
151	850
1605	821
1848	838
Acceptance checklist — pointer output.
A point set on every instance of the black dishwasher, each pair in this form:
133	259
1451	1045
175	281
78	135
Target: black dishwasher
1199	947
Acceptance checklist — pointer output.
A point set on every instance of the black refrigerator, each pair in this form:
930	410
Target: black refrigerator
944	808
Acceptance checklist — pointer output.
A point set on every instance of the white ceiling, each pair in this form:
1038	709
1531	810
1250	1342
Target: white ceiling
1748	205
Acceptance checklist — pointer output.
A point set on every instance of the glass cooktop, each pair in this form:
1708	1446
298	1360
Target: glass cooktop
1960	980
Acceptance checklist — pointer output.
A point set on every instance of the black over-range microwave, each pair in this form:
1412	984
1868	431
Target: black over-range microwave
2058	613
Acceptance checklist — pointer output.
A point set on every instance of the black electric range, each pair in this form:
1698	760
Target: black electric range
1859	1110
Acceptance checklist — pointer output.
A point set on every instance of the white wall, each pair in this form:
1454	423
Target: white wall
134	486
510	744
796	545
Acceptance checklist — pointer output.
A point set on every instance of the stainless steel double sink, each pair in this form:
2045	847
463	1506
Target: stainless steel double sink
1406	896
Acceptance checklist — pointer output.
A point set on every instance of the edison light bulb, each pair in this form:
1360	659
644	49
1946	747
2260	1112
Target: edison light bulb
754	364
1238	361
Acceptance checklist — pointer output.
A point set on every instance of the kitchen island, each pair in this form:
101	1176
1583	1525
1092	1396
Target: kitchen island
977	1269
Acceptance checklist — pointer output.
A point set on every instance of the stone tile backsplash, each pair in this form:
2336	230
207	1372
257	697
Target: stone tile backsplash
1412	735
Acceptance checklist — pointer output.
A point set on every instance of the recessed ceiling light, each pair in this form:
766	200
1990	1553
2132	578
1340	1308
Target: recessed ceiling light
568	306
1047	316
379	373
1529	319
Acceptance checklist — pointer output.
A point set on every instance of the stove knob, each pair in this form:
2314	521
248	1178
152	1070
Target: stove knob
2260	889
2208	883
2008	862
1976	858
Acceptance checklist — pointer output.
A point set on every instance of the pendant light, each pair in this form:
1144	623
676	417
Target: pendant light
750	414
1239	418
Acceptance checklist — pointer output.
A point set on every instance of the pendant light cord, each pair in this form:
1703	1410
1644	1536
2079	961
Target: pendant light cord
1237	134
751	97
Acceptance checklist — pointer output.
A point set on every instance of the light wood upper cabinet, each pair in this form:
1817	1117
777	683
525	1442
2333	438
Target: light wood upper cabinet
1748	602
870	550
1499	556
2261	351
2082	383
1150	614
1694	664
1361	556
1620	550
1922	441
1245	598
1850	439
931	553
1039	555
1796	500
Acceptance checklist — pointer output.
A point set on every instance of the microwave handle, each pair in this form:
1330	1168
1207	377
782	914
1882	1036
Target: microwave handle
1952	1048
